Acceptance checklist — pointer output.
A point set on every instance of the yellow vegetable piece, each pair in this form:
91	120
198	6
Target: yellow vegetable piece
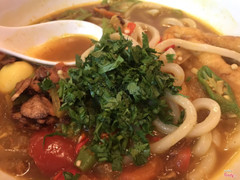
13	73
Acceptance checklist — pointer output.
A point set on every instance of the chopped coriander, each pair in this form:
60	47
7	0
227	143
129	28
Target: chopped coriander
70	176
79	14
182	95
117	90
181	118
120	6
104	2
188	79
107	27
82	14
170	58
52	134
177	12
46	84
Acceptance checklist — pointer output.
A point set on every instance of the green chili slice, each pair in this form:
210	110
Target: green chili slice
85	159
219	90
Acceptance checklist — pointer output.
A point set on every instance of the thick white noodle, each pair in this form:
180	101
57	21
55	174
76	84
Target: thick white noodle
205	166
199	129
190	23
168	21
197	47
141	6
233	140
164	128
203	144
189	121
152	31
177	72
211	120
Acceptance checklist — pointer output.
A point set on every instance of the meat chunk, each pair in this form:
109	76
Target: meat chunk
37	108
2	55
34	85
4	59
41	73
17	115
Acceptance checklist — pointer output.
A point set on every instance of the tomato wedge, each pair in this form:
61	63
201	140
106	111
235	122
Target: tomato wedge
55	154
181	160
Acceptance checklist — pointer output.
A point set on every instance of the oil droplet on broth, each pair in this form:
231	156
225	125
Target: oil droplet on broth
62	48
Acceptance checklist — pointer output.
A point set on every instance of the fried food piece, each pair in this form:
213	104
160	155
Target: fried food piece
192	34
37	108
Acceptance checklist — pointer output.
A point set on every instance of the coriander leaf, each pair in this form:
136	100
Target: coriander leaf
181	118
177	12
188	79
104	2
145	40
52	134
82	14
79	61
118	91
107	27
70	176
133	89
170	58
46	84
121	6
117	161
140	153
109	67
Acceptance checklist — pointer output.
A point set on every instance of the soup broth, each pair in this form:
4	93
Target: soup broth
62	49
21	128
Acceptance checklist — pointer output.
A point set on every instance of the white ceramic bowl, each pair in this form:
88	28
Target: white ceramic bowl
221	14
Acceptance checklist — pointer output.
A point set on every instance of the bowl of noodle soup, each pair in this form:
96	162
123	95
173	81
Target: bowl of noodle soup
201	54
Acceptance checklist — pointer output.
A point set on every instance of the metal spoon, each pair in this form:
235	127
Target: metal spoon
17	41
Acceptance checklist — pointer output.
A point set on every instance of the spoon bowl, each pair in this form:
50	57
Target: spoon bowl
17	41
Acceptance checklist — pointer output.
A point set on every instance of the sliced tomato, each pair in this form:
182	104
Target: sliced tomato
55	154
181	160
153	139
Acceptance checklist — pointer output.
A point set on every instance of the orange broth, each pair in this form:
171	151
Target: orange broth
62	48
